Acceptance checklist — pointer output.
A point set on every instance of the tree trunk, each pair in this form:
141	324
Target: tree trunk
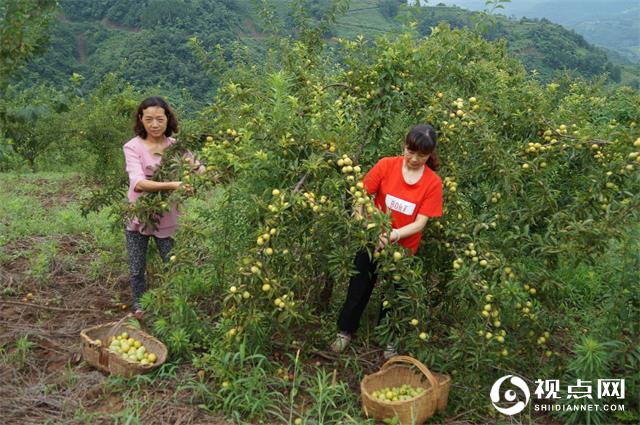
32	163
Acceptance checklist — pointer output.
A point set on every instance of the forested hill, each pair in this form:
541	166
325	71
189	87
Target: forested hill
143	41
147	41
613	24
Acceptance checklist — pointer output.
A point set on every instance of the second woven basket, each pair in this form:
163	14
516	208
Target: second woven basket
397	371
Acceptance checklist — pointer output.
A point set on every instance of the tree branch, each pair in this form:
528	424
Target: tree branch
46	307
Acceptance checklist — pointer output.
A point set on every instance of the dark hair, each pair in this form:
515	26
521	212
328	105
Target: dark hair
422	138
172	121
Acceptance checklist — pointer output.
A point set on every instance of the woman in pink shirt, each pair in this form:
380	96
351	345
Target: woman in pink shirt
155	123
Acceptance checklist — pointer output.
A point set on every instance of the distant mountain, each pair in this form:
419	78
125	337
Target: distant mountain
614	24
147	41
540	44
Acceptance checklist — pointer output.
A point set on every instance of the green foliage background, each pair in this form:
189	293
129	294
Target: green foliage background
563	208
533	268
147	42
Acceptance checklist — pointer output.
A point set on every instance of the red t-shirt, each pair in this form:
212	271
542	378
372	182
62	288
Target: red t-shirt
404	200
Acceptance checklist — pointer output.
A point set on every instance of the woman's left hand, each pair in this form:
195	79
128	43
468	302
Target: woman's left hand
384	239
186	188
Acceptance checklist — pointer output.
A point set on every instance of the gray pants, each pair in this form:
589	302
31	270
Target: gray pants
137	244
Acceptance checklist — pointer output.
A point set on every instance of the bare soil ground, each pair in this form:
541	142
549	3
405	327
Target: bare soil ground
43	378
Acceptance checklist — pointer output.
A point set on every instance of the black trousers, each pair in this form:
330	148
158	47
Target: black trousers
137	251
360	288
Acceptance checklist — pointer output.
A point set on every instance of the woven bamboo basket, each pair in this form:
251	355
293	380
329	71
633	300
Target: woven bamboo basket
396	372
100	357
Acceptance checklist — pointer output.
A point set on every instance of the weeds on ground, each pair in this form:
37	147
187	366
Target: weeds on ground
17	356
250	386
35	221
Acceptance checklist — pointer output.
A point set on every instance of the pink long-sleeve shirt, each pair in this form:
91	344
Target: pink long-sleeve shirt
141	165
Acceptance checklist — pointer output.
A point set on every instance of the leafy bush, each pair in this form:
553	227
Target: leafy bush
103	123
28	119
538	179
389	8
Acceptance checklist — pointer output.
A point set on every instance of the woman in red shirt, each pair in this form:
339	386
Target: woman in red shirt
409	188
